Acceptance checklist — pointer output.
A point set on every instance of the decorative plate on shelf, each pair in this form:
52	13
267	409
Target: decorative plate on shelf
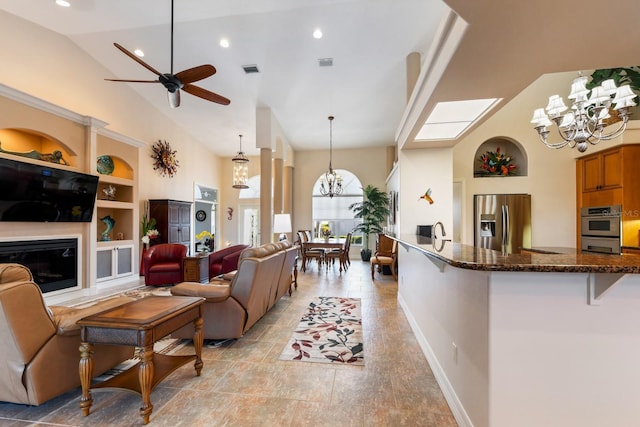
105	165
201	215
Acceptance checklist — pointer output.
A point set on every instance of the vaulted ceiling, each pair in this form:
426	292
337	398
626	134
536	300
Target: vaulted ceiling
504	47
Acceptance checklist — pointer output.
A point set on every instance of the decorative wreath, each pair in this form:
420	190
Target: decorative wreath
164	158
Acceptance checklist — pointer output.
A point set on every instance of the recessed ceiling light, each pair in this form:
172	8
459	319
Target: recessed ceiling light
224	43
63	3
317	33
139	52
449	120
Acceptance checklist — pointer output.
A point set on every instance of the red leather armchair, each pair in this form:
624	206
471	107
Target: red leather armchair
163	264
225	260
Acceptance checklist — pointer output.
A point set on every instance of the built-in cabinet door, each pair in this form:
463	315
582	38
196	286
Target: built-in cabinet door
591	173
602	171
611	169
113	262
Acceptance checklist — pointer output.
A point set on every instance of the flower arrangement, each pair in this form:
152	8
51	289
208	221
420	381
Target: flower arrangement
325	231
149	235
497	163
204	237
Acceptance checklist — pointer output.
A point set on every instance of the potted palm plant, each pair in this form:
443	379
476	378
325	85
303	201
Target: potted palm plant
373	210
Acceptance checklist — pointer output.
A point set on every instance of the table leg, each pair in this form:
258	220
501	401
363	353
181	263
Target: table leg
198	338
85	369
145	377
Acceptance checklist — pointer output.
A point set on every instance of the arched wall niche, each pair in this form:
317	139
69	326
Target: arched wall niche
109	147
25	142
508	147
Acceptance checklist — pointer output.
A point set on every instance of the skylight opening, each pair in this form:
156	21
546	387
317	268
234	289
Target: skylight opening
449	120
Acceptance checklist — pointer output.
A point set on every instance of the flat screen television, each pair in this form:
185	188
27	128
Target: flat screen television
37	193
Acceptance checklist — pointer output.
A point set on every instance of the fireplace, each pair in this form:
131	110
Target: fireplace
53	263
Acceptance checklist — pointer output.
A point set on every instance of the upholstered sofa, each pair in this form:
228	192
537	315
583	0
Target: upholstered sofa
40	357
225	260
232	307
163	264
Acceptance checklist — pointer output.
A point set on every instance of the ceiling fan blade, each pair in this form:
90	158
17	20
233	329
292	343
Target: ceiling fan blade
133	81
138	60
205	94
196	73
174	98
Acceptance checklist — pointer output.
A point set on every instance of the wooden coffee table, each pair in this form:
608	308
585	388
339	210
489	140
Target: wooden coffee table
140	323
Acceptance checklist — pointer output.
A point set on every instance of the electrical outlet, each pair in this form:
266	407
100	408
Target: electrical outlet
455	352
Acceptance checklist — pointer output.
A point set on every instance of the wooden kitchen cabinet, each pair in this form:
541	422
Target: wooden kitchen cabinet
610	177
173	220
602	171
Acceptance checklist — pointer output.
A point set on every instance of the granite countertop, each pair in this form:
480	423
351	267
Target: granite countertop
563	260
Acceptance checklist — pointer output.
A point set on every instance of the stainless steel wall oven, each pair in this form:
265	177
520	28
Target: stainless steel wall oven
601	229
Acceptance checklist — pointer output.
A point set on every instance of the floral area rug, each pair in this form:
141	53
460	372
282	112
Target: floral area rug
329	332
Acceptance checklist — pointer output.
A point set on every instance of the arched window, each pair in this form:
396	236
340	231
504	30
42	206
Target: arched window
334	211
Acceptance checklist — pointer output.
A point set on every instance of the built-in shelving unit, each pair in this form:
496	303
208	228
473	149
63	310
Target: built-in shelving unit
36	127
117	199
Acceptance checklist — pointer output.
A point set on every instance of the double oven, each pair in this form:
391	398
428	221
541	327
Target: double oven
601	229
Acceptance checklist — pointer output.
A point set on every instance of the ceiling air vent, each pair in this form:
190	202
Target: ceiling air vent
249	69
325	62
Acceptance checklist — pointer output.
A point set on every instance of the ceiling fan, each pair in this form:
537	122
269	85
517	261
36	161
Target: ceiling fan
182	80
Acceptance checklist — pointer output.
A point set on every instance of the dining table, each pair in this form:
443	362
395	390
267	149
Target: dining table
321	243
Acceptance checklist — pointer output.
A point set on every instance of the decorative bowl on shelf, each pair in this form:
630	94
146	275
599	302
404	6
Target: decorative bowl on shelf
105	165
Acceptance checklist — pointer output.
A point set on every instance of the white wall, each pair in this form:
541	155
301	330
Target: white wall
551	173
446	310
49	66
419	170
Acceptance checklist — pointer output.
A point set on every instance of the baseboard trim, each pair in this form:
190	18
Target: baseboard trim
459	413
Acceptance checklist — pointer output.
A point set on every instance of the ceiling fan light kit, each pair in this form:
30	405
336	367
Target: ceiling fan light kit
174	83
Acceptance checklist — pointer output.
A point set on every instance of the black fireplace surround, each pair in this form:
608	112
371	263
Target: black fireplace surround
53	263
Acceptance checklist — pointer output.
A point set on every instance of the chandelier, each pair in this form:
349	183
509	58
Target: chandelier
240	169
331	182
587	122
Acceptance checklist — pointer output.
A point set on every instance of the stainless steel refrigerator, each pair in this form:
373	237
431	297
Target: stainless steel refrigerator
502	222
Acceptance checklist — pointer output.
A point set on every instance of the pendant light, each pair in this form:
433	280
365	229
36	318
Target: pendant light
240	169
331	182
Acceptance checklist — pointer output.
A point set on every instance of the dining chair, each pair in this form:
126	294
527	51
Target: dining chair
380	259
308	254
341	254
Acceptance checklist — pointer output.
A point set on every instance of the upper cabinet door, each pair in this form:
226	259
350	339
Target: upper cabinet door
602	171
591	173
612	169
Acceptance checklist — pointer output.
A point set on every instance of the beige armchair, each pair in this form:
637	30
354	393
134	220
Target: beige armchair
39	357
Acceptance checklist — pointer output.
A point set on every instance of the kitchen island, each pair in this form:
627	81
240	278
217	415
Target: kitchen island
530	339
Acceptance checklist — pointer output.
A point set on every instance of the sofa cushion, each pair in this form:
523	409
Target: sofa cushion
169	267
65	318
215	291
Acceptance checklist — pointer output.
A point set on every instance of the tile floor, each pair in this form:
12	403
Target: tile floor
244	384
